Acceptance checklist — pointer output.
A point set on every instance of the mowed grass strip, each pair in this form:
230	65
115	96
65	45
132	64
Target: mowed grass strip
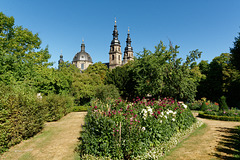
57	141
188	143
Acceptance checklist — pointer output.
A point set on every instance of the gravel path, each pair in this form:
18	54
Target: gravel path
57	141
213	142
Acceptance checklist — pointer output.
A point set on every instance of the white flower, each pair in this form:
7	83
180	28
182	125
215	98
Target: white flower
39	96
160	121
165	117
184	105
143	128
173	119
170	111
174	112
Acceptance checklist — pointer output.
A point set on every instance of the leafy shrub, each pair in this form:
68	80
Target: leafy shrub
79	108
119	130
203	106
21	115
216	117
196	105
107	91
57	106
223	104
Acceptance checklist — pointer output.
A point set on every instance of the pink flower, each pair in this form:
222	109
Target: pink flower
95	107
117	130
131	123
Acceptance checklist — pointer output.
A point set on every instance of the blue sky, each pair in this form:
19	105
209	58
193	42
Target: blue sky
207	25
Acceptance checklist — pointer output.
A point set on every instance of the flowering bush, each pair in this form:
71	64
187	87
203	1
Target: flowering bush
120	130
229	113
203	105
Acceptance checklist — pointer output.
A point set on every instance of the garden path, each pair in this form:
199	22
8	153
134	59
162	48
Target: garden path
215	141
57	141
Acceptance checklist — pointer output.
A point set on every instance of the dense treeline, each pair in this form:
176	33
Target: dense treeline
162	74
25	71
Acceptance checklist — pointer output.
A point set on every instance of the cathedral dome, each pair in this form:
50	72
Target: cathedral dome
82	55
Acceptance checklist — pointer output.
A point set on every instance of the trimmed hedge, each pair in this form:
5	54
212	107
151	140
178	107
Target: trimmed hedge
80	108
215	117
57	106
22	113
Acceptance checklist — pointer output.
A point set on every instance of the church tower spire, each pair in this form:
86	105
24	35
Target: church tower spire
128	52
60	61
115	54
83	46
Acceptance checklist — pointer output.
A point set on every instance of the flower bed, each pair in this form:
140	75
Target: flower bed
225	115
119	130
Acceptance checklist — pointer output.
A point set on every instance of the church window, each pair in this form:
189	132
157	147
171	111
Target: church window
82	66
82	56
119	57
112	57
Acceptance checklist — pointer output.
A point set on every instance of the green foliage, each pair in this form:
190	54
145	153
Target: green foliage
220	78
159	73
84	87
233	94
21	115
195	105
20	51
98	68
122	78
57	106
119	130
79	108
235	53
222	103
216	117
203	107
107	91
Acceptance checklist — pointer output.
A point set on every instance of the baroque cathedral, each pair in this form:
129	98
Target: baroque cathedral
83	59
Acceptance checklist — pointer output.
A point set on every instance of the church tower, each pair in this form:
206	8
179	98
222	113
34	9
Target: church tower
115	54
128	52
60	61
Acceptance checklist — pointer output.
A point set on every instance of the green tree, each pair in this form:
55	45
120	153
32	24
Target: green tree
122	78
98	68
235	52
202	88
20	50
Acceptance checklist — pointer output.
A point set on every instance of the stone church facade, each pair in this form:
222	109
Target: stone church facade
82	59
115	54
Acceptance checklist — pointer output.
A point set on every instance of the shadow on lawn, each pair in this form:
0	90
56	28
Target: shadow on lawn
229	146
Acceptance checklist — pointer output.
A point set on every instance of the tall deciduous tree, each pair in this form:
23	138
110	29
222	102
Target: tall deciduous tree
20	50
98	68
235	59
